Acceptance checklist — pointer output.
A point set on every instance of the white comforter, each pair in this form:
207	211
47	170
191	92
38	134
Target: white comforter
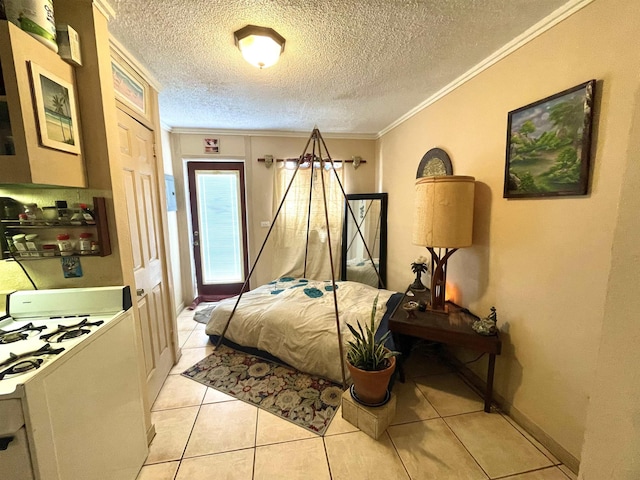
294	319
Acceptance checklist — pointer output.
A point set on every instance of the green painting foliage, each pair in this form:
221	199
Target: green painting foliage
548	160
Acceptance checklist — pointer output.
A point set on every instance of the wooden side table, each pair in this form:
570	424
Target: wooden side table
453	329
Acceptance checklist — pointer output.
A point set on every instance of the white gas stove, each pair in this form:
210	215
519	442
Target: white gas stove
44	325
70	381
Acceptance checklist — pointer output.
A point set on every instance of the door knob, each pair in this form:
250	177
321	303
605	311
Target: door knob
140	292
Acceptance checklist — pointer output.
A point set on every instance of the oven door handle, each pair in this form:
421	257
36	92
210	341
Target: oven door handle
5	441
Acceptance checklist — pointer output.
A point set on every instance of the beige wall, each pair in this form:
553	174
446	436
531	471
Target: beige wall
544	263
612	442
259	185
172	227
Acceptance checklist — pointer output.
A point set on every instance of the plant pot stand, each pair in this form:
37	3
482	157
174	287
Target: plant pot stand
371	420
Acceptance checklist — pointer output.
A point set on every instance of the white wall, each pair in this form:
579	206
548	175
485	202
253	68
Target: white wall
544	263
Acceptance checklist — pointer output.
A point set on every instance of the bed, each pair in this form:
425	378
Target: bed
363	271
293	320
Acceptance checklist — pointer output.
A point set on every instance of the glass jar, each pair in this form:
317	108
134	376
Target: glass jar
33	244
65	245
85	243
20	244
64	217
33	212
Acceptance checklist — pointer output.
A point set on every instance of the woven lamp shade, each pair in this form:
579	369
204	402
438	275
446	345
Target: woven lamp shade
444	211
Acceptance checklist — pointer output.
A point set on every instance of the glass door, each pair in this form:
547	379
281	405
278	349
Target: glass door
218	219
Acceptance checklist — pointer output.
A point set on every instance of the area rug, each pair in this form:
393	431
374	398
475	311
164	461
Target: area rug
306	400
203	312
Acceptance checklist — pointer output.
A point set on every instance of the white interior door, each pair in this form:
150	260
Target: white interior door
143	209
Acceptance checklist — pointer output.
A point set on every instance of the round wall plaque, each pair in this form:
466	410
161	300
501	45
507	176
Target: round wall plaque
434	163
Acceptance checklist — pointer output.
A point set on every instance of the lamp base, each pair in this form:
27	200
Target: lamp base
444	312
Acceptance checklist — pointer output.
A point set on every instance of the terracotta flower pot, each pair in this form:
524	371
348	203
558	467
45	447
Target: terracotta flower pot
371	386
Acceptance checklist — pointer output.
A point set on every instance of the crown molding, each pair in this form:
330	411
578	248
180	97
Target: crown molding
527	36
270	133
105	8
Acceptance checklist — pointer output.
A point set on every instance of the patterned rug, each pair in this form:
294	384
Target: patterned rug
306	400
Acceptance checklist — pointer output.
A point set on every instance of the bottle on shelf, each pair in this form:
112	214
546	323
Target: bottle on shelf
65	245
84	245
63	212
33	212
87	214
33	244
20	244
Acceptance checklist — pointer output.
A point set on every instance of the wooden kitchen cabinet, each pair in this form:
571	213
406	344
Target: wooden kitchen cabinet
23	158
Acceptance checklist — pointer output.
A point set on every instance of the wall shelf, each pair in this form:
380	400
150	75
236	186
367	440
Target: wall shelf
100	229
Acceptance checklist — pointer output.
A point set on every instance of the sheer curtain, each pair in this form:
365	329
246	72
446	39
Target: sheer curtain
290	229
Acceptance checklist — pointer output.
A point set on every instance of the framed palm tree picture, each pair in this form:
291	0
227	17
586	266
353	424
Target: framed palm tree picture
548	145
56	113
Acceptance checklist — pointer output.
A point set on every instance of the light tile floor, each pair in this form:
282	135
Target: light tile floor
439	432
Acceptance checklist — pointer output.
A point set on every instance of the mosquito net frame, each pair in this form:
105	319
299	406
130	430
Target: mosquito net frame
319	155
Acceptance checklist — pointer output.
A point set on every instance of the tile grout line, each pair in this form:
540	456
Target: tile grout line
255	446
465	447
326	456
518	428
395	449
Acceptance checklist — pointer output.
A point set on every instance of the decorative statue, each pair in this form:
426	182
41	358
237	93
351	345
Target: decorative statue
487	325
419	266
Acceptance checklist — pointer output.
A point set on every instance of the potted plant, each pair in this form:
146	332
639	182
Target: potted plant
370	363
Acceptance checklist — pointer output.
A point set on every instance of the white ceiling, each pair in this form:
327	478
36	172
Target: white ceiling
348	66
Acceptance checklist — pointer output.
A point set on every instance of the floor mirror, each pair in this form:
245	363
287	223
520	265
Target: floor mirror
364	253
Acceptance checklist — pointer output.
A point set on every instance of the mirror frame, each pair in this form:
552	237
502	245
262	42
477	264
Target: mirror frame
382	258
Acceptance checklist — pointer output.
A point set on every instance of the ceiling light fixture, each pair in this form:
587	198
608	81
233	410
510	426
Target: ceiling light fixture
260	46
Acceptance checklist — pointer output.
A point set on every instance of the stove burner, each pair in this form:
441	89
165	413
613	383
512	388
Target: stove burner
28	363
66	332
22	367
10	336
68	335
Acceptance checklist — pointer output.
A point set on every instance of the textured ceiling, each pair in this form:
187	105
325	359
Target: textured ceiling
348	66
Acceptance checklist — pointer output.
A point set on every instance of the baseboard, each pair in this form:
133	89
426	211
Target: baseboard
571	462
151	433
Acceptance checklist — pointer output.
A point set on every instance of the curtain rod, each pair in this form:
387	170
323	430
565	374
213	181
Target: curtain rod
296	159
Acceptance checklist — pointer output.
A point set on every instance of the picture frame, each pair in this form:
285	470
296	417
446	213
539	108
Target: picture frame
549	145
56	113
211	145
131	90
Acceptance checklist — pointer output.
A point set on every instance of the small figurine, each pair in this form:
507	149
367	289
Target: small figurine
487	325
419	266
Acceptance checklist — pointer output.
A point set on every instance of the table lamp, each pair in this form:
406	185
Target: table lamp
443	219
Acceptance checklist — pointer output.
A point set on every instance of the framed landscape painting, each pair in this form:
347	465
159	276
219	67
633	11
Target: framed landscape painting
548	145
55	111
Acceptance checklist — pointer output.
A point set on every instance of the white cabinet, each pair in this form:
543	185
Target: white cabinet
24	158
85	416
